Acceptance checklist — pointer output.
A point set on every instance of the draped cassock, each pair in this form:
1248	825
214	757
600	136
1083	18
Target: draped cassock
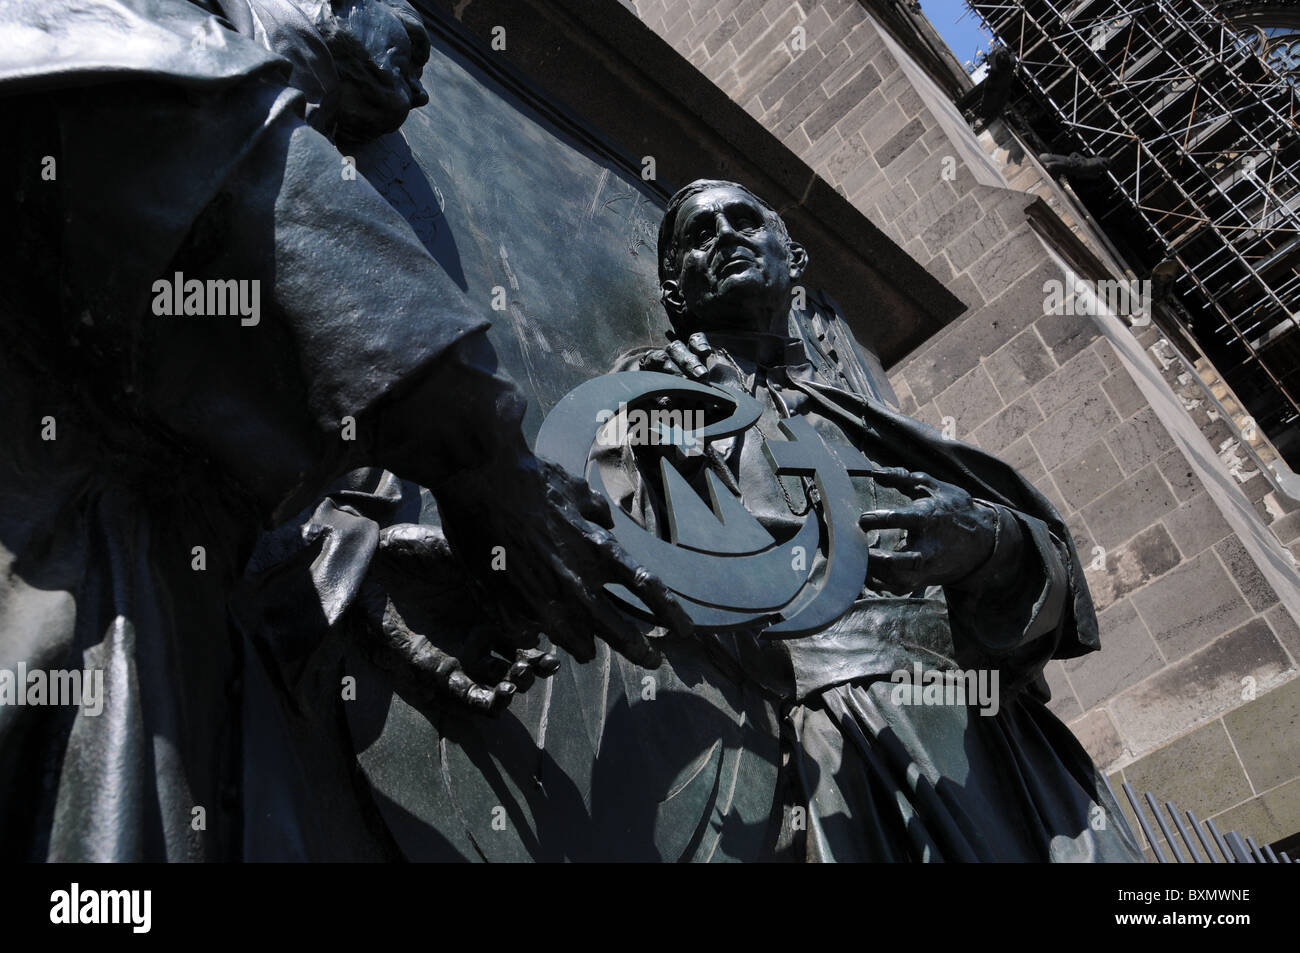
170	144
876	780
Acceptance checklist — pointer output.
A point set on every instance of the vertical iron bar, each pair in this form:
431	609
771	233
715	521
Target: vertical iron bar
1142	822
1182	831
1164	828
1228	855
1254	849
1196	826
1239	848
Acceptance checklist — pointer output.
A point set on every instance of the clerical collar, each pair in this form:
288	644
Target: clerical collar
762	348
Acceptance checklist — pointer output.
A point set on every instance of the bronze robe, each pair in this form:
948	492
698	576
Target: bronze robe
867	779
173	432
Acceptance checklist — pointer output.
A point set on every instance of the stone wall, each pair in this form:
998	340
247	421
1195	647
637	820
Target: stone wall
1194	694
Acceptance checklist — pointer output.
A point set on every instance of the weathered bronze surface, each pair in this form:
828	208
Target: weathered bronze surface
156	424
424	571
936	566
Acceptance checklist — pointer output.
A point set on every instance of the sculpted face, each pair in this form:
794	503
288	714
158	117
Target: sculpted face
380	58
736	265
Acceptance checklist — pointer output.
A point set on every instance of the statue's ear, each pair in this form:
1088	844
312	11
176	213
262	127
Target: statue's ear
670	293
798	261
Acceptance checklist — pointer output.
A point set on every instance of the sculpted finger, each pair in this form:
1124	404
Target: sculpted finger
896	476
909	482
502	696
899	571
521	675
657	360
544	664
896	561
487	700
651	590
924	480
648	587
700	345
440	677
563	487
520	669
892	519
688	362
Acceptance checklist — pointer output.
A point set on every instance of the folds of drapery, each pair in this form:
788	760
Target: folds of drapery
944	783
179	437
880	780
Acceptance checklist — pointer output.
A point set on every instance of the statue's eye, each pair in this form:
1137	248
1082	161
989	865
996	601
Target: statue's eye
702	237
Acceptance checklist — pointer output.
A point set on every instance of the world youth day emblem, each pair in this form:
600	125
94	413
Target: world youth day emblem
726	570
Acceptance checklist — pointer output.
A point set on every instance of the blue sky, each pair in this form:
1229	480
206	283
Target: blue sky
958	27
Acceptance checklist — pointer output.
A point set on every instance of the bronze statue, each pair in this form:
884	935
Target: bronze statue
144	452
148	449
971	577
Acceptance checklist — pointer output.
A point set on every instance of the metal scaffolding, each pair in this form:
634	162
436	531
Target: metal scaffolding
1195	112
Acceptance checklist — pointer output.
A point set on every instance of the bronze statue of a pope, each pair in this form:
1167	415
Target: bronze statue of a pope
971	582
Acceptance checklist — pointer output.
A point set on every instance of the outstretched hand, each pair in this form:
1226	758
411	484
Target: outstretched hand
440	647
949	533
538	539
533	543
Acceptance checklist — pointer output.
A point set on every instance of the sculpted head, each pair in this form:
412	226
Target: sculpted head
379	49
726	261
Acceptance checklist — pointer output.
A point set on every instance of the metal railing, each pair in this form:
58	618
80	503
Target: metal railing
1233	847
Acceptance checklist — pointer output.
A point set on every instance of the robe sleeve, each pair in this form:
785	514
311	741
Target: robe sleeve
342	308
1019	594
